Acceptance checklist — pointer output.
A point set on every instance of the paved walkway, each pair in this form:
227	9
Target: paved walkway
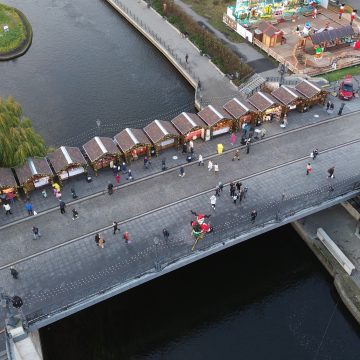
79	268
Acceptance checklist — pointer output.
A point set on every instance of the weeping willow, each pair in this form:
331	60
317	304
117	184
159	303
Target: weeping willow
18	140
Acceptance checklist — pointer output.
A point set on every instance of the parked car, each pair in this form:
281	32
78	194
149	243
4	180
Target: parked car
346	89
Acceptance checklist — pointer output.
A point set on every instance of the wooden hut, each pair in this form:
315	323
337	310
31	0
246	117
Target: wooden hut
8	182
217	120
67	162
266	105
132	143
289	98
35	173
190	126
312	94
101	151
242	111
268	34
331	38
162	134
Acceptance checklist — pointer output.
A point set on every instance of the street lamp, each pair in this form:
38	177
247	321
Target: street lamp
157	263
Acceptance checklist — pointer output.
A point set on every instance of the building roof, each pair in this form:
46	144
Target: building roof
286	95
213	114
128	138
186	122
157	130
237	108
331	35
262	101
32	167
307	89
66	156
268	29
100	146
7	178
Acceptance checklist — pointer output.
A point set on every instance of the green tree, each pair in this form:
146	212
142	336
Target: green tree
18	140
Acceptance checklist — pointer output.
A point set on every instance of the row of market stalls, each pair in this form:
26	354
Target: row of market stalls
129	144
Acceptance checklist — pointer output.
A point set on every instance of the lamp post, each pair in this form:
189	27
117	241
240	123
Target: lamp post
157	263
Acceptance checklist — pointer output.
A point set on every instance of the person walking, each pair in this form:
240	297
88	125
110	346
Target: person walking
221	186
241	194
315	153
210	165
213	201
217	191
253	216
62	207
245	191
124	168
166	234
97	239
235	197
236	155
115	227
184	148
238	186
110	188
232	139
331	172
73	193
328	105
14	273
36	232
191	146
232	189
126	237
201	160
118	178
101	242
216	168
186	58
29	208
308	169
181	171
75	214
7	208
247	144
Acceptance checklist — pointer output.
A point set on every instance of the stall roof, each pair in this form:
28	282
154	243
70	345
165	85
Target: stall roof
268	29
286	95
158	129
261	101
307	89
100	146
128	138
7	178
186	122
237	108
331	35
64	156
33	166
212	114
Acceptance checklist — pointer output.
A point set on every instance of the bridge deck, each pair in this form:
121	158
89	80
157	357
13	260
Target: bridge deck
72	267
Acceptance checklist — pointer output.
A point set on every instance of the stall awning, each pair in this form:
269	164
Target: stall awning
331	35
237	108
262	101
65	157
128	138
32	167
157	130
286	95
7	179
186	122
213	114
100	146
307	89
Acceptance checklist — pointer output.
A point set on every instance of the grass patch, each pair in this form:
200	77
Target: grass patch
13	38
339	74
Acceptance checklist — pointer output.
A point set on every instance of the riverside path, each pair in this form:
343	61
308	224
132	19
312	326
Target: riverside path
64	267
216	88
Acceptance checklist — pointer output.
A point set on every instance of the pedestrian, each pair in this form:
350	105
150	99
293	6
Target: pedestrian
36	232
186	58
216	168
248	145
232	189
73	193
29	208
58	195
115	169
341	10
245	191
110	188
235	197
253	216
232	139
181	171
184	148
126	237
308	168
97	239
163	165
62	207
7	208
14	272
166	234
101	242
201	160
236	155
213	201
221	186
75	214
341	109
124	168
332	106
238	185
115	227
44	194
241	194
130	176
199	85
146	162
191	146
217	191
353	16
331	172
118	178
315	153
328	105
210	165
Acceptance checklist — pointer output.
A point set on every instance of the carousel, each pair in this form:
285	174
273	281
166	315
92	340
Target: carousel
190	127
242	111
8	185
268	107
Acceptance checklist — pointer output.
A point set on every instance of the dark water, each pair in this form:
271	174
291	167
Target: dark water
268	298
87	63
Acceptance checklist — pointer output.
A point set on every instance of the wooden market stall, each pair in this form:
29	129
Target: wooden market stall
8	182
67	162
267	106
242	111
312	94
133	143
101	151
217	120
289	98
162	134
35	173
268	34
190	127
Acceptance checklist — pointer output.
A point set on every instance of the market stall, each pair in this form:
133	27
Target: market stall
67	162
133	143
217	120
242	111
289	98
190	127
268	34
312	94
35	173
8	183
162	134
101	151
268	107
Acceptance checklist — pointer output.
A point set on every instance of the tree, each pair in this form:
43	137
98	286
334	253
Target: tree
18	140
